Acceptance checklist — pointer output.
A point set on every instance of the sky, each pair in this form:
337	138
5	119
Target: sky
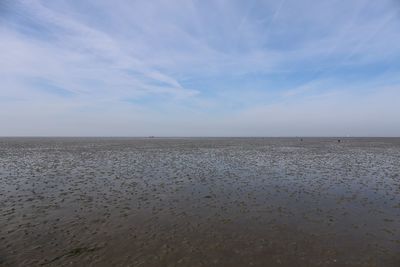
200	68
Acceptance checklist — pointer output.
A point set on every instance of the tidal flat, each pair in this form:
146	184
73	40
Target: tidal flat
199	202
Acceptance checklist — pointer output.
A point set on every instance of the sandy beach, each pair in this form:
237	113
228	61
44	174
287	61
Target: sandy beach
199	202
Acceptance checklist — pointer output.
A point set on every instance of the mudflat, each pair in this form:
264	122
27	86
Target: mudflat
199	202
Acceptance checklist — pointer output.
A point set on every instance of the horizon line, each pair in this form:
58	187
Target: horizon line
177	137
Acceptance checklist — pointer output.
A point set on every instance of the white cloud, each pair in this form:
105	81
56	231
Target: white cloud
156	68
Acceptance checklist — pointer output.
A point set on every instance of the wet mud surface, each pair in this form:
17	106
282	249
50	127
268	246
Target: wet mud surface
199	202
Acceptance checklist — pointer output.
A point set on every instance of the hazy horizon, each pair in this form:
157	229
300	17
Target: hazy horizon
200	68
196	137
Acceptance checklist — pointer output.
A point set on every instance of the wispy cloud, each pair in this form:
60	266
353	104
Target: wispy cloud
164	65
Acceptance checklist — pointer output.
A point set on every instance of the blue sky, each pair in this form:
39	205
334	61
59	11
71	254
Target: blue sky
200	68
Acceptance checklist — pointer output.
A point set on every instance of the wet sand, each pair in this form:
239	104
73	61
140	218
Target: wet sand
199	202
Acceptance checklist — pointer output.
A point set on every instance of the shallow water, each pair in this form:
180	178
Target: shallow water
199	202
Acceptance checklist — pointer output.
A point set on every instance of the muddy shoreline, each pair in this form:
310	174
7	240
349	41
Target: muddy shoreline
199	202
